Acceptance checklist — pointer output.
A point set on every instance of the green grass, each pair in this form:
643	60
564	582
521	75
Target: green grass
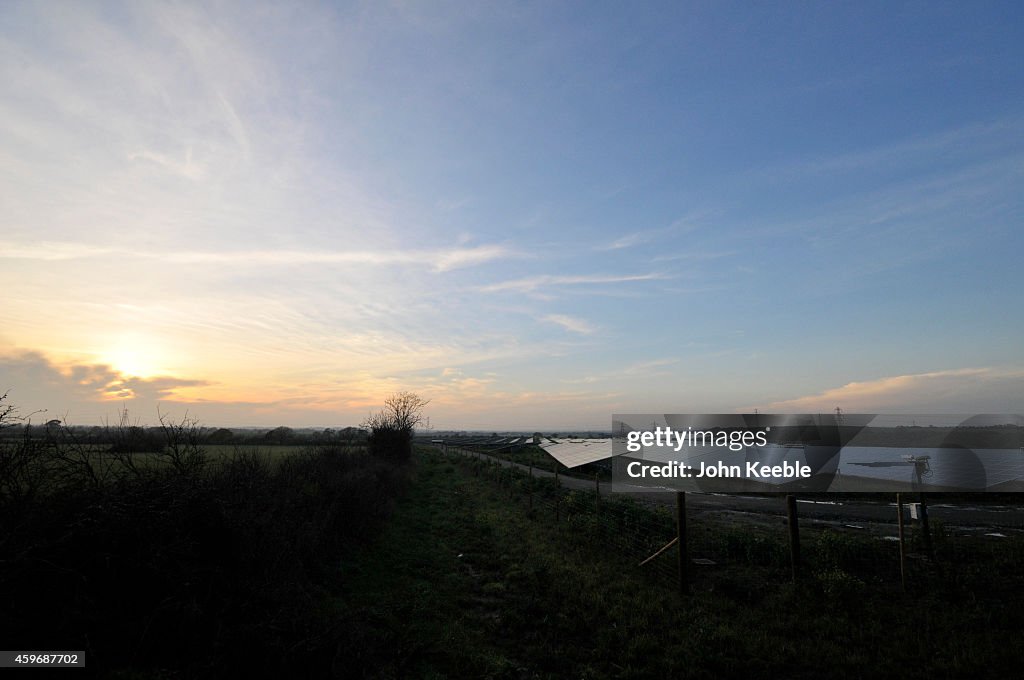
219	453
465	582
228	450
542	460
284	562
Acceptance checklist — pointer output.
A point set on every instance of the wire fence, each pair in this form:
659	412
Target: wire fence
726	549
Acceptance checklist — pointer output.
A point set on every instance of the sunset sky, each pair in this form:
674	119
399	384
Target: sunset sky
533	214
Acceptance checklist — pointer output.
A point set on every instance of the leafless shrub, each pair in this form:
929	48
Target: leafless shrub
183	448
392	428
23	460
125	441
76	460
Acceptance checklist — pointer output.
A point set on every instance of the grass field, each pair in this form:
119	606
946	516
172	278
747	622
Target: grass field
296	562
541	460
464	582
271	452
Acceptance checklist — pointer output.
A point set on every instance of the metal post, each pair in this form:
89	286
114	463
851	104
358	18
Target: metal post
903	554
684	585
925	530
558	495
531	483
794	535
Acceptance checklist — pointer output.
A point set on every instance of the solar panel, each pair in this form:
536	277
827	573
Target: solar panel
576	452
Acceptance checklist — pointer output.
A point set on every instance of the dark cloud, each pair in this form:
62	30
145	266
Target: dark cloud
36	384
90	394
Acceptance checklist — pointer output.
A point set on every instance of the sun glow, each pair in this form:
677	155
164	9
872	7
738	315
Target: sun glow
134	356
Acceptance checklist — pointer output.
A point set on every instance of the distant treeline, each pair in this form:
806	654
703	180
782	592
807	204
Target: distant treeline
153	438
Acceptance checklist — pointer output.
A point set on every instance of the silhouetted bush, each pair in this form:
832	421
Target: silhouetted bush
206	571
391	430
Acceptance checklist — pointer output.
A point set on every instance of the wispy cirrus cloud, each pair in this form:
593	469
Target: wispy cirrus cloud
638	369
533	283
628	241
694	255
570	323
683	224
439	260
188	167
964	390
970	139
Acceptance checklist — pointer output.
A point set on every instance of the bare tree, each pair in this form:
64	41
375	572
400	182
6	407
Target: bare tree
24	460
8	414
183	444
405	410
392	428
78	460
124	441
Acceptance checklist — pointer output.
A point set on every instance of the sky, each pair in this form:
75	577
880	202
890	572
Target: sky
533	214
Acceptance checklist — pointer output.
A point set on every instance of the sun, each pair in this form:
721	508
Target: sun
134	356
132	364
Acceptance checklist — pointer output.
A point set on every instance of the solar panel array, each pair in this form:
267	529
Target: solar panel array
485	442
575	452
